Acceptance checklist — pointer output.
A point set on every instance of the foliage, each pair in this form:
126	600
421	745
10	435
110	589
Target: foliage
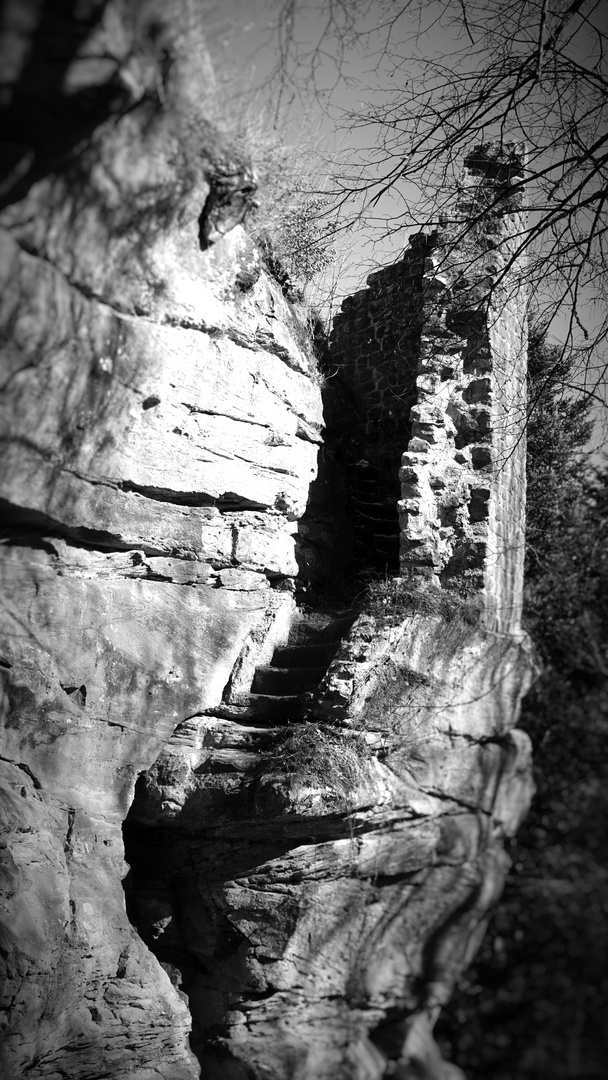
292	222
534	1003
557	429
398	712
292	218
294	236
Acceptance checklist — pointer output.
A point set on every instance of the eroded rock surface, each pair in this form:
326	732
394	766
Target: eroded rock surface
312	801
305	914
160	432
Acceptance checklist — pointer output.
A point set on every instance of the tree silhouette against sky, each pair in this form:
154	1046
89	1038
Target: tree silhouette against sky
418	85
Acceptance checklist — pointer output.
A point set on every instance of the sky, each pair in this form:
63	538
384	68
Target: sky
244	43
350	77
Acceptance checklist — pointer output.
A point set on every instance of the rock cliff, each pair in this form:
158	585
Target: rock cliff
251	829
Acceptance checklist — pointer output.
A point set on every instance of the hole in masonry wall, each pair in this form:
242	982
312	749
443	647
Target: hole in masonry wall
77	694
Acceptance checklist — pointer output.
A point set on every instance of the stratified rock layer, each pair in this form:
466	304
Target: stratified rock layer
313	802
305	914
160	432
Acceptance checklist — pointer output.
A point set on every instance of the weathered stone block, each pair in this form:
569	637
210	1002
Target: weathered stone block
418	446
242	580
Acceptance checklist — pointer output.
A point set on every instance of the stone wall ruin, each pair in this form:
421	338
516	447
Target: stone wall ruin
434	352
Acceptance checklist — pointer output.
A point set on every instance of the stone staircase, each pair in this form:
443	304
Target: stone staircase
375	522
283	691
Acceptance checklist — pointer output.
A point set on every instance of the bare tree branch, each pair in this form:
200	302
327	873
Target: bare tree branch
510	70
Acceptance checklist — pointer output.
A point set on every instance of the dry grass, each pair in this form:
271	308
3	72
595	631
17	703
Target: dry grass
398	708
391	599
292	219
321	755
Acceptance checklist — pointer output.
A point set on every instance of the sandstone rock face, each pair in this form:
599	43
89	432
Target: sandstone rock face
305	914
243	837
160	432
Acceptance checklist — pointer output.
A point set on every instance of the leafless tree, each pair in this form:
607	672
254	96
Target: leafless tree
451	75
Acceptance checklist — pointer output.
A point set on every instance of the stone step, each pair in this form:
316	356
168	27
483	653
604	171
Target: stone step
386	539
375	544
381	524
339	628
390	552
337	625
387	562
365	477
373	506
367	521
274	707
286	681
242	714
388	521
318	654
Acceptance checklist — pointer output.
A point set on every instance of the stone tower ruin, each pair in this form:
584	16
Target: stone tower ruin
434	354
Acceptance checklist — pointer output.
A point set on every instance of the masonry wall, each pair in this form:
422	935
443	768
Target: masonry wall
375	344
508	333
434	351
